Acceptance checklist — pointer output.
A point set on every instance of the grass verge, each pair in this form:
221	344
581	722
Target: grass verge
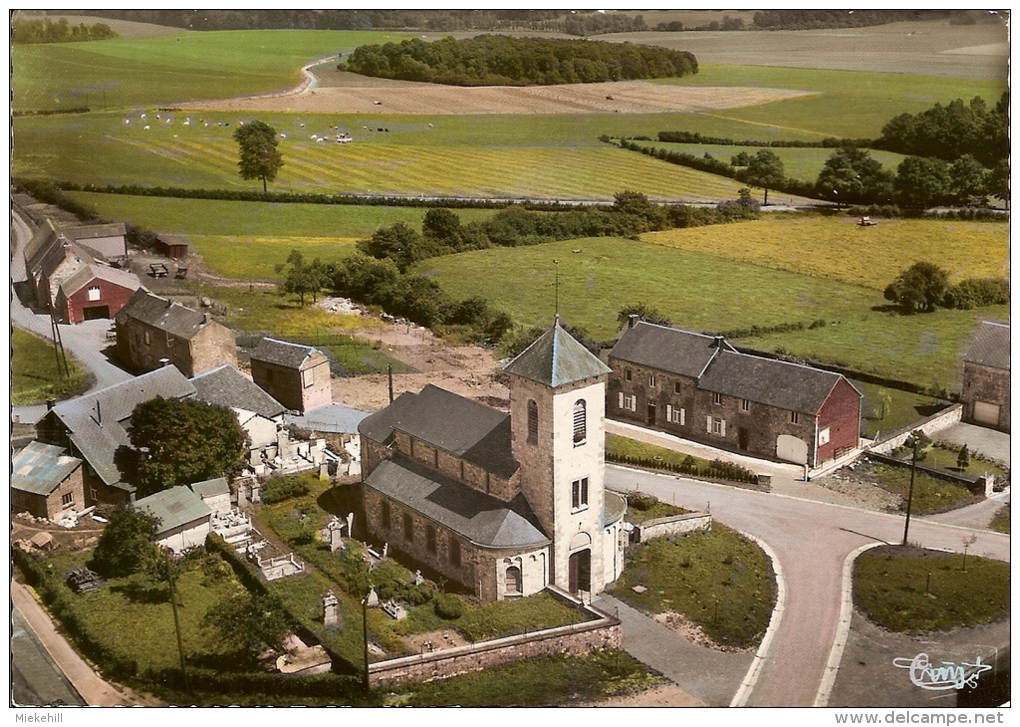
912	589
35	375
718	579
1000	523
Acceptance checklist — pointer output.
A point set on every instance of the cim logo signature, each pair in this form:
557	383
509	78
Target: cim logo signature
948	675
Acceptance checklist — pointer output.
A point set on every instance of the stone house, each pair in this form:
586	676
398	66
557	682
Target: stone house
294	374
46	482
153	331
183	517
50	259
95	428
107	242
259	414
94	291
699	387
503	504
985	390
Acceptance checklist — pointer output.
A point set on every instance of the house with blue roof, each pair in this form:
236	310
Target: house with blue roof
46	481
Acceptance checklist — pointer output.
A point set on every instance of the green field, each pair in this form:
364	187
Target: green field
35	375
169	69
705	293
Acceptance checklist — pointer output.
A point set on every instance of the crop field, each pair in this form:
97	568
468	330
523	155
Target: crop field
170	69
837	248
803	164
702	292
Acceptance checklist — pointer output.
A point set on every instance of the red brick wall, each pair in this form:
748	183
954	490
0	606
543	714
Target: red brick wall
72	310
841	413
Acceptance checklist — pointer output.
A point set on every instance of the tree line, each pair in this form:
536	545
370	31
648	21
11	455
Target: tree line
25	32
503	60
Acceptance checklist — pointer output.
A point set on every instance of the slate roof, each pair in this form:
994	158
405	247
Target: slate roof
767	381
282	353
163	314
174	507
330	418
99	272
97	443
483	520
88	232
39	468
614	507
556	359
467	429
211	488
990	346
48	248
229	388
666	349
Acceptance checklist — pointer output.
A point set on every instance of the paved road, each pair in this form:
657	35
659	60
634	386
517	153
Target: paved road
811	540
84	341
36	680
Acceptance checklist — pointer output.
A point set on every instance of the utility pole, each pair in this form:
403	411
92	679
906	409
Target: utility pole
364	630
915	443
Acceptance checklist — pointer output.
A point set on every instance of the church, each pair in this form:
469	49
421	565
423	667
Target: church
502	504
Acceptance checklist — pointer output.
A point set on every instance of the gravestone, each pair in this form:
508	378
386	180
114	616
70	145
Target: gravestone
330	609
373	598
256	495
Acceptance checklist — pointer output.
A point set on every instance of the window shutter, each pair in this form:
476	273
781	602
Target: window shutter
669	413
722	431
708	424
621	399
682	416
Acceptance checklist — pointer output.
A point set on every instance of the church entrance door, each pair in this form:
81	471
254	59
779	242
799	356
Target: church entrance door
580	571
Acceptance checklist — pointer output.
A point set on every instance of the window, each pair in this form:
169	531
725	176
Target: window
823	436
676	387
95	293
532	422
627	402
386	523
651	380
717	398
579	493
626	374
67	500
580	422
307	378
462	469
408	528
455	552
745	405
147	338
430	538
716	426
794	417
675	415
95	494
513	580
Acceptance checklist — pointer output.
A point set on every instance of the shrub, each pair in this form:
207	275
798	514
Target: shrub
448	606
282	488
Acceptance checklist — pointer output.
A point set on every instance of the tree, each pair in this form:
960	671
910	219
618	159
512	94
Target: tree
304	279
249	622
401	243
967	179
851	176
963	458
644	312
443	226
922	182
260	159
998	181
921	287
765	169
125	546
182	442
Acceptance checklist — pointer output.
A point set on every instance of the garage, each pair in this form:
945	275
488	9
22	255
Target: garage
791	449
986	413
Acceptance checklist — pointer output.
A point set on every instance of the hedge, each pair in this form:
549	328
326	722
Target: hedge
717	470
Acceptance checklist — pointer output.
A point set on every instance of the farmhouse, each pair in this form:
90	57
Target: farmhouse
701	388
985	391
95	427
94	291
50	259
294	374
183	518
46	482
259	414
153	331
502	504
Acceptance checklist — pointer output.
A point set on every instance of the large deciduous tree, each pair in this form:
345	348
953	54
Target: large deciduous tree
922	182
304	278
851	176
182	442
259	157
249	623
921	287
765	169
125	547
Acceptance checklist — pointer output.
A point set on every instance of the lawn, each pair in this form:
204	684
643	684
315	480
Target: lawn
35	374
717	579
931	494
903	408
912	590
1000	523
702	292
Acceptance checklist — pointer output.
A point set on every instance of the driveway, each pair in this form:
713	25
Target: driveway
811	541
989	442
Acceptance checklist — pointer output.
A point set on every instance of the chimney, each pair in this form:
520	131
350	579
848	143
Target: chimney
632	320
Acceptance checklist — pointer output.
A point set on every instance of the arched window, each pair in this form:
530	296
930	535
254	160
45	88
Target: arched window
514	580
580	422
532	422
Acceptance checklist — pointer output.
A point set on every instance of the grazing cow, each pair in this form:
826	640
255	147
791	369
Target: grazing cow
146	127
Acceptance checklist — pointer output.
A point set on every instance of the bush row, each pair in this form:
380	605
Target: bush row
689	137
716	470
245	687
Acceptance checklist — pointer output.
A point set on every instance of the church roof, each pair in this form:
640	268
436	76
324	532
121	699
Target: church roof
556	359
484	520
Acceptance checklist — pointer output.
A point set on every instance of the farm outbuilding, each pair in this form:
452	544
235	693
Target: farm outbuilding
46	481
986	377
174	247
294	374
95	291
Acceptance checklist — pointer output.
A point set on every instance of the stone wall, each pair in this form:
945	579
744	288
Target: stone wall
602	631
667	527
930	426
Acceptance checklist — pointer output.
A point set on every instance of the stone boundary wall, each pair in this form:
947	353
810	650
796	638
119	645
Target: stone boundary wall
666	527
600	632
930	425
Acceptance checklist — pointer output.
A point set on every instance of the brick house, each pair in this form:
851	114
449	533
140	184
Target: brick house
151	329
701	388
294	374
94	291
985	390
46	482
502	504
95	427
